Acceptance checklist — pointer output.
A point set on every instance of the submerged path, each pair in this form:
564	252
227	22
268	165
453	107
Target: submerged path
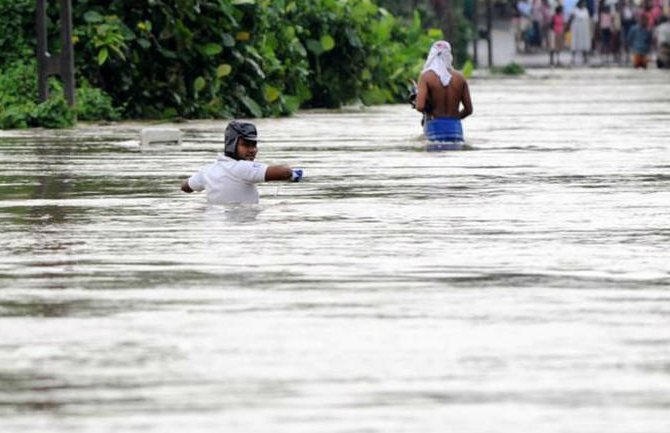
520	286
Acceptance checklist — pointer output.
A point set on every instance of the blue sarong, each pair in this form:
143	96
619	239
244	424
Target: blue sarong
443	129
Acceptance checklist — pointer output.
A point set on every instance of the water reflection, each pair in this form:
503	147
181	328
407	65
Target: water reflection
235	214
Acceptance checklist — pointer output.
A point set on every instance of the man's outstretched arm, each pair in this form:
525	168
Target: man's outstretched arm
186	187
281	172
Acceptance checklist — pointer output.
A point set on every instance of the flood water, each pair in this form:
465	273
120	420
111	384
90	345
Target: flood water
519	286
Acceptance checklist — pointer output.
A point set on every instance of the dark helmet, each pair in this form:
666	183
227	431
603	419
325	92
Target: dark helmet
234	131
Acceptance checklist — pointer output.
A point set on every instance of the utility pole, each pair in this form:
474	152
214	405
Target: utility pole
61	64
445	14
489	31
475	41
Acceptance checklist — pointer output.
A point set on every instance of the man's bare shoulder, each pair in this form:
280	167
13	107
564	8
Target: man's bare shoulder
430	77
457	75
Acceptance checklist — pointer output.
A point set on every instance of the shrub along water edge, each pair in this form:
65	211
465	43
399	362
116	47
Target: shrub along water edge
225	58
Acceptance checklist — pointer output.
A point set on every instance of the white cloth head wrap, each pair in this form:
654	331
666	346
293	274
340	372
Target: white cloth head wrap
440	60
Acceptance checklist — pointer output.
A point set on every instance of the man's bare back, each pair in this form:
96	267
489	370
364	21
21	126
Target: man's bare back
444	101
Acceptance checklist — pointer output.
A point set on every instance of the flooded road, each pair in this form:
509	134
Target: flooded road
522	285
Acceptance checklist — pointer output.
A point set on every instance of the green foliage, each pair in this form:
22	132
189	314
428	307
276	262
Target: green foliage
509	69
15	116
468	67
53	113
94	104
18	91
200	59
18	83
105	36
224	58
18	78
462	15
464	34
17	37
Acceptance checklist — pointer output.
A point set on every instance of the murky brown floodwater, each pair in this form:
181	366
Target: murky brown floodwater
522	286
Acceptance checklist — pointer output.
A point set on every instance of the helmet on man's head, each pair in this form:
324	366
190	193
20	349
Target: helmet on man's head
234	131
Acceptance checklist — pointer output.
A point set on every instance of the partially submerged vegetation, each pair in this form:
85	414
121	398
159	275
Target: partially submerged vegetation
212	59
509	69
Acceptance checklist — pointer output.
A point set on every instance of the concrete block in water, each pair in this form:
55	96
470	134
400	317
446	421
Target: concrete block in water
160	135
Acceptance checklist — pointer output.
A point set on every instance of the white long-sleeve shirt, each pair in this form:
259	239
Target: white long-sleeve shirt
229	181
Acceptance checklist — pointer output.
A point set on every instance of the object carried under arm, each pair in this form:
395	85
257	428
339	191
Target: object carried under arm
186	187
414	91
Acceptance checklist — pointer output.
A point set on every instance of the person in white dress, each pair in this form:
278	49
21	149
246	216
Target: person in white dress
580	30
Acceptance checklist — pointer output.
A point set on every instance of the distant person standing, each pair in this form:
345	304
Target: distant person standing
580	29
605	24
627	22
556	35
640	42
441	92
547	13
615	45
651	12
537	22
524	29
662	38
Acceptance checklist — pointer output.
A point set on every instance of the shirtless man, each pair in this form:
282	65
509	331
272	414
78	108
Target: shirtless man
441	91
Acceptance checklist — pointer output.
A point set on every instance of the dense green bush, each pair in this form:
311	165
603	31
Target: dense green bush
509	69
19	107
225	58
17	37
94	104
53	113
246	57
462	14
18	94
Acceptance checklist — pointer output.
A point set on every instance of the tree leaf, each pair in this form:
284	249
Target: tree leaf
292	103
327	42
93	17
314	46
256	67
243	36
271	93
353	38
374	96
223	70
253	106
199	84
468	67
228	40
435	33
103	54
212	49
167	53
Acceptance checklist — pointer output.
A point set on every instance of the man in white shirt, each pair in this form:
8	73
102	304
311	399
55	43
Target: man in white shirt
232	178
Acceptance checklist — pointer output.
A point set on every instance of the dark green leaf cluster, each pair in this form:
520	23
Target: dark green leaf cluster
17	31
236	58
19	107
18	96
509	69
